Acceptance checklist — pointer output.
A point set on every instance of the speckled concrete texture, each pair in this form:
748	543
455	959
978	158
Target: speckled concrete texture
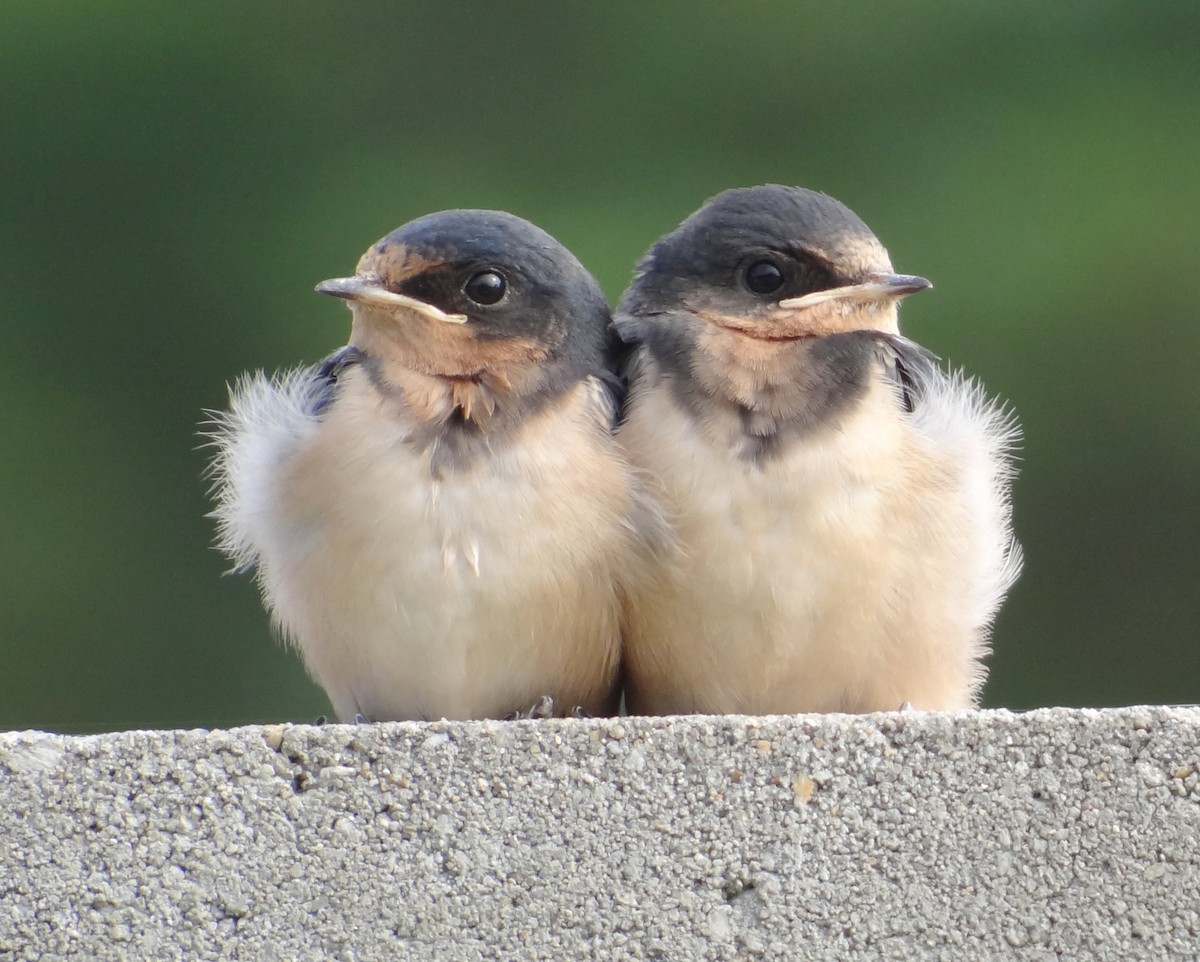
1050	835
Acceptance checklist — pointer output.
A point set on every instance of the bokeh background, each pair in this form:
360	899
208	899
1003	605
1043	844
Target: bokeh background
174	178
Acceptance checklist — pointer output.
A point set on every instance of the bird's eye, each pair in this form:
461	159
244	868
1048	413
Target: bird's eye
486	288
764	277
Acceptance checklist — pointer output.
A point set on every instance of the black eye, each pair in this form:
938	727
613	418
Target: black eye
764	277
486	287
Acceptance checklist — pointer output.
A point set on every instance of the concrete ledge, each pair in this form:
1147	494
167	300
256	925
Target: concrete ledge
1053	834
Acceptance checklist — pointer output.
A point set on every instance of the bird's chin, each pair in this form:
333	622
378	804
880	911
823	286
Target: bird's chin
835	316
773	337
789	325
769	330
766	332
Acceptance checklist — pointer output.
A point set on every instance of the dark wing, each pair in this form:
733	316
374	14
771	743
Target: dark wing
617	374
616	389
909	365
326	374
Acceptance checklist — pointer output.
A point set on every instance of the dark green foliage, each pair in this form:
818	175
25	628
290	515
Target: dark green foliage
177	177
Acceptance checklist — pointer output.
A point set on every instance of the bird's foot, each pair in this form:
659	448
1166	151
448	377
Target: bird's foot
320	721
907	706
361	719
542	708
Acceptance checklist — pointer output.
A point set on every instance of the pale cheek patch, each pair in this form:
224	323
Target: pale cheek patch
441	368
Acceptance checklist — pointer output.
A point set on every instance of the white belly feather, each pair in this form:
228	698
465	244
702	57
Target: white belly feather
409	598
858	570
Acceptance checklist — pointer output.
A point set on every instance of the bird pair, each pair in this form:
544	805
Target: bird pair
793	508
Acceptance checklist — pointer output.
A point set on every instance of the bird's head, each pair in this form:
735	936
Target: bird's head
773	264
476	295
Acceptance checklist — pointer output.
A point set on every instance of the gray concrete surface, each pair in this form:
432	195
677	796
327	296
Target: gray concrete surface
1054	834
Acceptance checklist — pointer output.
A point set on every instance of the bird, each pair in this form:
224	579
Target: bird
841	504
438	515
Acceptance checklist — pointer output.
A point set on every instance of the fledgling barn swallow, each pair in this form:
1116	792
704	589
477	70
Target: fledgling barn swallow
841	504
438	513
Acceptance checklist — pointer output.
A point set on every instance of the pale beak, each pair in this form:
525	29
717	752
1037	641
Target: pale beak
877	287
368	291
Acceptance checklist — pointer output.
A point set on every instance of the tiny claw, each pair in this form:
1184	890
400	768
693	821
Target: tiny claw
907	706
578	712
361	719
321	720
542	708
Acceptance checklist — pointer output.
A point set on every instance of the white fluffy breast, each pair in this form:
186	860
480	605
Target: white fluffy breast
413	598
857	570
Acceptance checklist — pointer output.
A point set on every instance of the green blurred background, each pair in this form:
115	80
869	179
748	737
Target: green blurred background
177	177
